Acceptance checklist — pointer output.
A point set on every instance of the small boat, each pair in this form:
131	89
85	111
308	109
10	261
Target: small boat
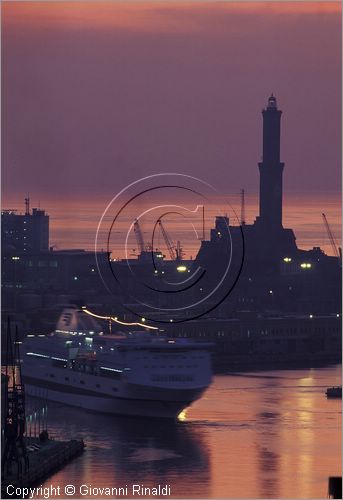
334	392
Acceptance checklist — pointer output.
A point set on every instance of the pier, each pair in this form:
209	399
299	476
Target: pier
44	459
29	456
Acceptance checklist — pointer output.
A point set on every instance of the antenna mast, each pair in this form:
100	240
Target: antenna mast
203	223
242	208
27	206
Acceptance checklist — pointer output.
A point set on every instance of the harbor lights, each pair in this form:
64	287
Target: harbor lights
182	416
305	265
287	259
181	269
117	320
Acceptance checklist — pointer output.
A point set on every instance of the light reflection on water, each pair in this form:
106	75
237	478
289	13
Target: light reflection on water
261	435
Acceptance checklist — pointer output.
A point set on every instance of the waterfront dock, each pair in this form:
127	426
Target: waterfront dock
44	459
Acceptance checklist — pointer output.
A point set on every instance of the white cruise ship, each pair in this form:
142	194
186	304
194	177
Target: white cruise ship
139	374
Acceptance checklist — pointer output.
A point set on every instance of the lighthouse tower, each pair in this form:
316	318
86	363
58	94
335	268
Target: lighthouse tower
271	168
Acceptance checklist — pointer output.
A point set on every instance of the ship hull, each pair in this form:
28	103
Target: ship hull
168	407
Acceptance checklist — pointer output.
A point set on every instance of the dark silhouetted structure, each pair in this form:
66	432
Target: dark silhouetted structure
27	232
277	275
271	168
14	450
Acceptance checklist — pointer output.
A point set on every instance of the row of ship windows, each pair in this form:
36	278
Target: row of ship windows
271	341
82	382
291	331
171	378
43	263
170	366
173	357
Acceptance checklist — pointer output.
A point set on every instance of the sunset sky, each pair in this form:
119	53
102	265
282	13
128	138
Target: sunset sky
95	95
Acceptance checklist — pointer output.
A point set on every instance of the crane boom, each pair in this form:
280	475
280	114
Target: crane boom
139	235
331	237
169	243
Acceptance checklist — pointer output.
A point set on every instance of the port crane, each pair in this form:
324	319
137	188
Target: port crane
14	447
139	235
336	250
175	252
139	238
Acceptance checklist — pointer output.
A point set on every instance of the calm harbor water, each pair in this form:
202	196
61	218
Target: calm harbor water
253	435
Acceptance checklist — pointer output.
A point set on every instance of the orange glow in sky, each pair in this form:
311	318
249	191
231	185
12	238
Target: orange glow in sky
156	16
98	94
